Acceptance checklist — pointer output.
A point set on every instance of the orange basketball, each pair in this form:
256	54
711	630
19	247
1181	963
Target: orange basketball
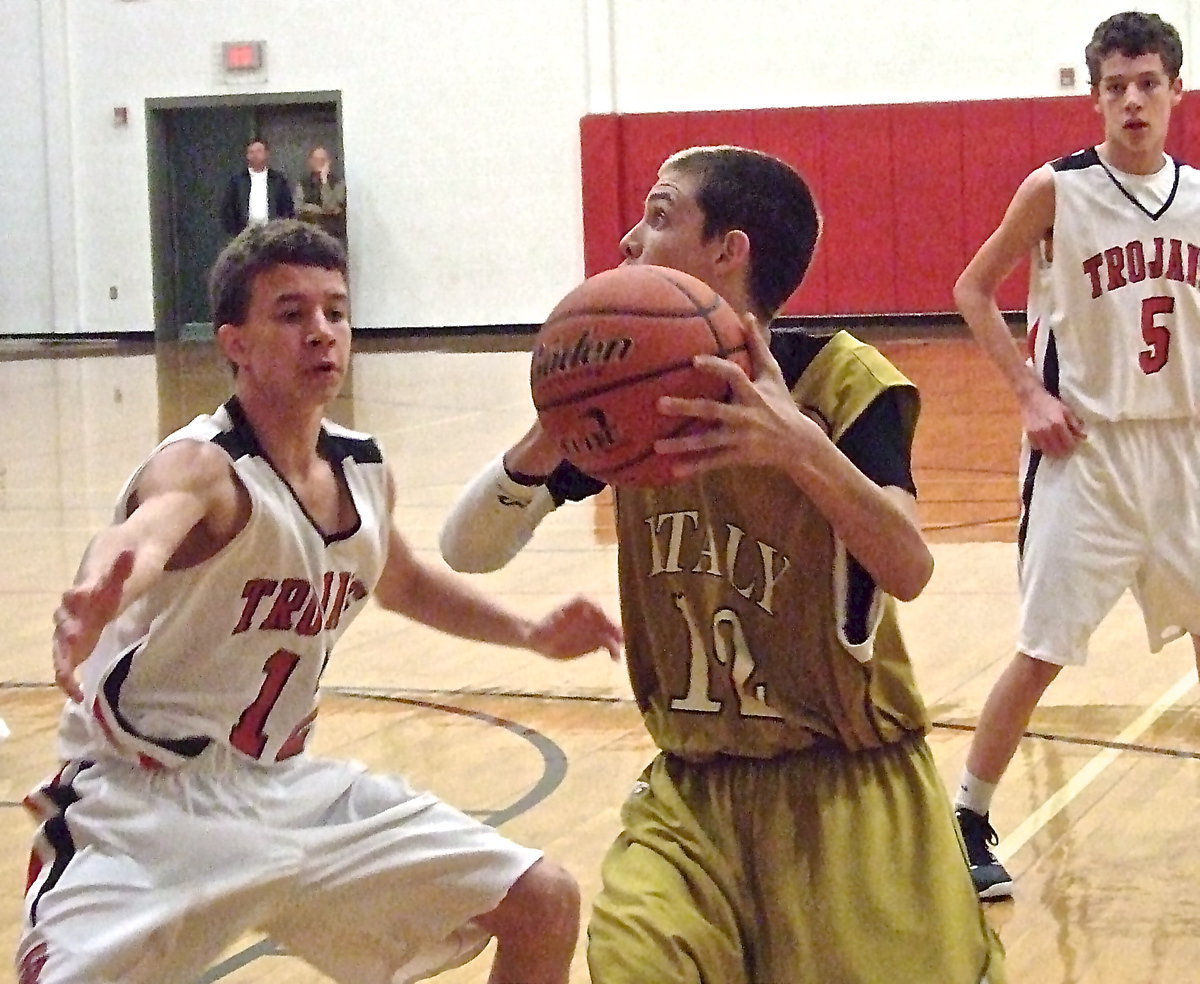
610	349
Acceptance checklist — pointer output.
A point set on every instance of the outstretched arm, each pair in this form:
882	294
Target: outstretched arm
441	600
1050	424
185	487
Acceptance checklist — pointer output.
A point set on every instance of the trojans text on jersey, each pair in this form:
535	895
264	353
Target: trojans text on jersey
294	597
1113	268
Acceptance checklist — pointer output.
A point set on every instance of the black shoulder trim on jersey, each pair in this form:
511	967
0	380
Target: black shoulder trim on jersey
794	349
189	747
338	447
879	442
1077	161
240	440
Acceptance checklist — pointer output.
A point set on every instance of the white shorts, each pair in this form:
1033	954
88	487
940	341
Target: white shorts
147	876
1121	511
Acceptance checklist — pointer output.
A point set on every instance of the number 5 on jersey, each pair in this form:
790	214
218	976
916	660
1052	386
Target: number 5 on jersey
1156	335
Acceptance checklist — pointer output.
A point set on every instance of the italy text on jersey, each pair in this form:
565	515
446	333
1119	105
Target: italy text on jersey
717	553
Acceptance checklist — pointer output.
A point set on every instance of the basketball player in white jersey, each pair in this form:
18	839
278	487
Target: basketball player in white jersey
192	645
1109	397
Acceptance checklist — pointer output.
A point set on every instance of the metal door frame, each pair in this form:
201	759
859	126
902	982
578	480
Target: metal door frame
166	326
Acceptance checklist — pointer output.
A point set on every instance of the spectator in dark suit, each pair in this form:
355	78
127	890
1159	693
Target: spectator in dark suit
257	194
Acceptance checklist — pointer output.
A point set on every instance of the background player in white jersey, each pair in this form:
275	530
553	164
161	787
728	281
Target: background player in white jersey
200	621
793	826
1109	399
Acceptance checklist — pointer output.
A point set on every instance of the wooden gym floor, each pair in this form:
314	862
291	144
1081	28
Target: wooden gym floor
1096	813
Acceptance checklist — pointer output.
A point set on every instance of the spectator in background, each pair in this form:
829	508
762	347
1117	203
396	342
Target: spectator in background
321	197
257	194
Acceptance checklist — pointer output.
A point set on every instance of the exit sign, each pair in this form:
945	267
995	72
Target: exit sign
242	56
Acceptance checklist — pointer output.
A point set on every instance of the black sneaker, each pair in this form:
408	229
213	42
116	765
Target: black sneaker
988	874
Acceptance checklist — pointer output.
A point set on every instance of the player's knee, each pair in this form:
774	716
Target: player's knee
552	895
1035	674
544	900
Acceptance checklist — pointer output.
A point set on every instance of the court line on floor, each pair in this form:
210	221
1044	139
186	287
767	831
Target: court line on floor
554	759
1052	807
1082	740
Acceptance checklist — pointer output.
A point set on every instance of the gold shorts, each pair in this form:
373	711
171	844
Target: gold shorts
811	868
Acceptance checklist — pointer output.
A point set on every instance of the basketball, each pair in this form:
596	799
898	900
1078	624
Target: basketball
610	349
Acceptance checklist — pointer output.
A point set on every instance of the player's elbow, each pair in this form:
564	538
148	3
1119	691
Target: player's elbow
975	292
910	581
392	593
966	292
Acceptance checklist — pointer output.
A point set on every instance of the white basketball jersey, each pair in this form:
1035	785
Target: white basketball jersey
1114	316
232	650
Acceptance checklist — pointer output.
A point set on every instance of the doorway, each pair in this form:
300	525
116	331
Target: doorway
194	145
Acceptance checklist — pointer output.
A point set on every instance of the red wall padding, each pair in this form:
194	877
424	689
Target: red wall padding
857	198
997	155
908	191
601	146
927	178
1062	126
1185	130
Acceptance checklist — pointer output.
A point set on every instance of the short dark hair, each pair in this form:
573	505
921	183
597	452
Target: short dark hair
254	140
1133	33
258	248
769	201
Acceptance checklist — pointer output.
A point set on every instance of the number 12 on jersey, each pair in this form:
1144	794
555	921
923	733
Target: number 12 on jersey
731	651
249	734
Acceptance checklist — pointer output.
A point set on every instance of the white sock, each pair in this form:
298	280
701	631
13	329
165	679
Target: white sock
975	794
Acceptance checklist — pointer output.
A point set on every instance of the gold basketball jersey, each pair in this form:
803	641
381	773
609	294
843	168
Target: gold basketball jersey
740	633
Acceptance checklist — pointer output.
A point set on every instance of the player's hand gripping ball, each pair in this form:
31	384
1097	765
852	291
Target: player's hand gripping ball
610	349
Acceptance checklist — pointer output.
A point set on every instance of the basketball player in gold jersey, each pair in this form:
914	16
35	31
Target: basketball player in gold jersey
793	828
